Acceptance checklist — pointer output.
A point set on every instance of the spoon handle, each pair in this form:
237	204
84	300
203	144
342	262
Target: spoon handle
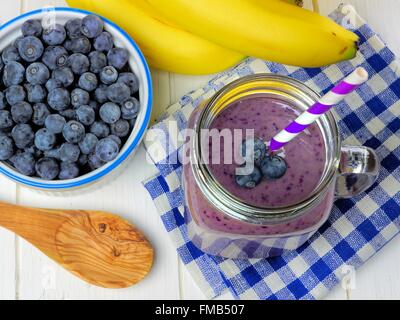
38	226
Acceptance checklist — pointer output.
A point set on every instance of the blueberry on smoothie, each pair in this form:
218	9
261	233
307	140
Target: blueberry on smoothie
273	167
249	181
253	150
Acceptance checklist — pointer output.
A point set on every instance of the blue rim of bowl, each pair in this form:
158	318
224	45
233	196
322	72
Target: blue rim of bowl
136	140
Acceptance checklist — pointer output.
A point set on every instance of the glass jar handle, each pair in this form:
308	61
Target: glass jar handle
358	170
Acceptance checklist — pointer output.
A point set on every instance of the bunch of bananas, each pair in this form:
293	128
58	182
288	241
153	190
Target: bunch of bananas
207	36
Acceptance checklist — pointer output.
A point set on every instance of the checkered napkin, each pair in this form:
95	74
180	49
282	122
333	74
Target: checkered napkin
357	228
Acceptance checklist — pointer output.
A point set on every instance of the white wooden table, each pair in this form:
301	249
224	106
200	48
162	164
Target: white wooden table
25	273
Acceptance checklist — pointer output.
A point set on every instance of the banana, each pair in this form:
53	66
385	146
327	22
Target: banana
165	46
271	30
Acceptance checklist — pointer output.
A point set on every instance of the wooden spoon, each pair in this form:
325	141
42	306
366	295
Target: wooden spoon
96	246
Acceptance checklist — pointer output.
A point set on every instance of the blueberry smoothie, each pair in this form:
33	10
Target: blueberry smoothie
304	157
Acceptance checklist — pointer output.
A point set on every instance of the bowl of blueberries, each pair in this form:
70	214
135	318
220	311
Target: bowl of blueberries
75	98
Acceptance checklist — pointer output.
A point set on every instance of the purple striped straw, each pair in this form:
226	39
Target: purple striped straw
333	97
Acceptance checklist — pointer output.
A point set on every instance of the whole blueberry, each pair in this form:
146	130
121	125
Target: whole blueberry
78	63
47	168
3	101
59	99
95	162
55	57
13	73
32	27
108	75
85	115
14	94
116	139
30	48
44	139
98	61
63	75
121	128
55	123
37	73
73	132
130	108
23	135
1	64
101	93
88	81
10	53
68	170
78	45
40	113
21	112
73	28
6	120
110	112
253	150
52	84
54	35
118	57
25	163
69	114
92	26
100	129
118	92
79	97
249	181
88	144
69	152
273	167
103	42
36	93
107	150
6	148
129	79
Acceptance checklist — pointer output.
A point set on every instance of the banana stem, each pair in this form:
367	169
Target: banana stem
315	6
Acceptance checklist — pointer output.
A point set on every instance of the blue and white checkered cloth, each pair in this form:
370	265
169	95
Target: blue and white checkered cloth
357	228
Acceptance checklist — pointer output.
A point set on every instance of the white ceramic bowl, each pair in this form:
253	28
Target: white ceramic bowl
12	29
